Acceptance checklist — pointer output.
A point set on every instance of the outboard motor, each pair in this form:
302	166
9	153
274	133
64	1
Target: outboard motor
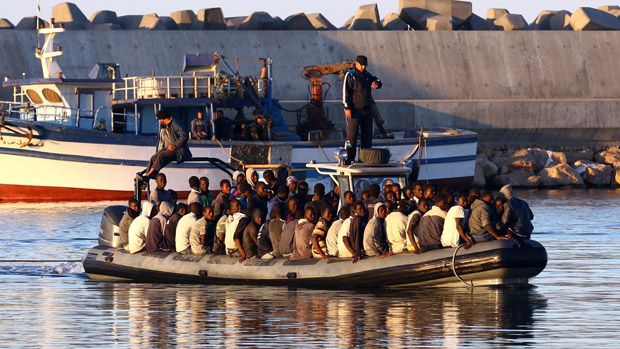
109	232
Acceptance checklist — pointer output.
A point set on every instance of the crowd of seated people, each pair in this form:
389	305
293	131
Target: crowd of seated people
274	217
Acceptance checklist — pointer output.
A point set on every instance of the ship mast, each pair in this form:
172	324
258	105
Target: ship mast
48	52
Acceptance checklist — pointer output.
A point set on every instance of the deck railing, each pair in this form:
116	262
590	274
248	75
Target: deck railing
169	87
61	115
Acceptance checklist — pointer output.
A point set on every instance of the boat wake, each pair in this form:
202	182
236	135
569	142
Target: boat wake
45	268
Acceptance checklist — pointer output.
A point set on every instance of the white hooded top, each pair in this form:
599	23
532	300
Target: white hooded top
138	229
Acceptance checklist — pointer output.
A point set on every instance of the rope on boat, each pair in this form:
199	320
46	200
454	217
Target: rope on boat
471	283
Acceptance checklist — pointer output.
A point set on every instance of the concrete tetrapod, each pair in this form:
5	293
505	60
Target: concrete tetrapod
298	21
30	23
211	19
416	12
234	22
511	22
495	13
588	18
366	18
439	23
259	21
104	19
319	22
6	24
392	21
560	21
185	19
130	22
476	22
70	16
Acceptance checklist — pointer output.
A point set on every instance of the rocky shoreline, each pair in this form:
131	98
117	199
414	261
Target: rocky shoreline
543	168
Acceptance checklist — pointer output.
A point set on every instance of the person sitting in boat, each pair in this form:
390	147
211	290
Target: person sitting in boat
277	200
251	178
171	228
221	202
219	244
349	199
235	226
302	193
354	239
481	224
333	197
413	224
184	229
429	194
132	212
287	240
275	226
291	183
499	204
318	202
202	232
453	227
396	223
172	145
155	236
264	246
161	194
291	209
139	228
200	128
431	225
256	200
390	200
332	234
375	235
319	246
272	182
194	194
206	198
418	192
518	216
303	234
250	234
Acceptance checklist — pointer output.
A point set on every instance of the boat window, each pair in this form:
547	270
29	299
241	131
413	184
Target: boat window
51	96
34	97
363	183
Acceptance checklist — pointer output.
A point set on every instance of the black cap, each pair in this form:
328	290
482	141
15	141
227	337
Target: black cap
161	115
362	60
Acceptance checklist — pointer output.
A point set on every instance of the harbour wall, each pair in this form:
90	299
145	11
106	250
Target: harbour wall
518	87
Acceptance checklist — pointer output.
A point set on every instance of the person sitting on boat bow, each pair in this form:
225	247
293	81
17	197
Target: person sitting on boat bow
171	145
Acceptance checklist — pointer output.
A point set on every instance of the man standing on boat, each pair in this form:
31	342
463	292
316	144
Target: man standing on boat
358	103
172	145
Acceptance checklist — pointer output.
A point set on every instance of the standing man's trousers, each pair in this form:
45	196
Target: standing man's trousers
361	119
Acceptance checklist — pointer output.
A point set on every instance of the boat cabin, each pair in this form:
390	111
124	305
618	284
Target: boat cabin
358	177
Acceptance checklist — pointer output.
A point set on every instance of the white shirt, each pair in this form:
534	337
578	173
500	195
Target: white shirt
194	196
198	229
332	238
231	226
450	235
137	234
345	230
396	229
184	228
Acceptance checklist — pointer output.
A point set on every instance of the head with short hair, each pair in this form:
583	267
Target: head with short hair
234	206
244	189
163	118
319	190
276	212
359	208
441	202
486	196
349	198
257	216
365	196
219	113
207	213
418	190
282	192
160	180
309	214
261	189
204	184
133	204
269	176
373	190
195	208
429	192
194	182
302	187
344	213
225	186
390	197
181	209
292	205
327	214
462	201
200	115
423	206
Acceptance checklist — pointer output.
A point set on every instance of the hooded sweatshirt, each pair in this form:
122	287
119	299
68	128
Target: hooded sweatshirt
517	214
139	228
248	177
123	226
155	237
396	226
375	236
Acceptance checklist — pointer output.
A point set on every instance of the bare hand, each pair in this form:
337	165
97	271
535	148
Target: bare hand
354	259
241	259
348	114
503	238
172	148
325	258
374	85
468	246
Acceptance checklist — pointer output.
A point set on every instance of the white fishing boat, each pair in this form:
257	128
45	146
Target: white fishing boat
84	139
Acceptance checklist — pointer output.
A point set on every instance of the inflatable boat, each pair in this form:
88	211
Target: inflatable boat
484	264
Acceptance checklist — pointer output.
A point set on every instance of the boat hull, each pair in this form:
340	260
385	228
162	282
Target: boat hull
68	164
491	263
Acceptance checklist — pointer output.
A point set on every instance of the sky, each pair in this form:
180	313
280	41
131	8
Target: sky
337	11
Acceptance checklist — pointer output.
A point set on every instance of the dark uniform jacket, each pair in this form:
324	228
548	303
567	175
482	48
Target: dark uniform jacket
357	89
179	140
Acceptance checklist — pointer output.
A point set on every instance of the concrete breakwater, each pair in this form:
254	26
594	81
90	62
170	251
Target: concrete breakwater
542	168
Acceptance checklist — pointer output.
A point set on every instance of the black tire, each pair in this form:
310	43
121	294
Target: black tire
375	156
